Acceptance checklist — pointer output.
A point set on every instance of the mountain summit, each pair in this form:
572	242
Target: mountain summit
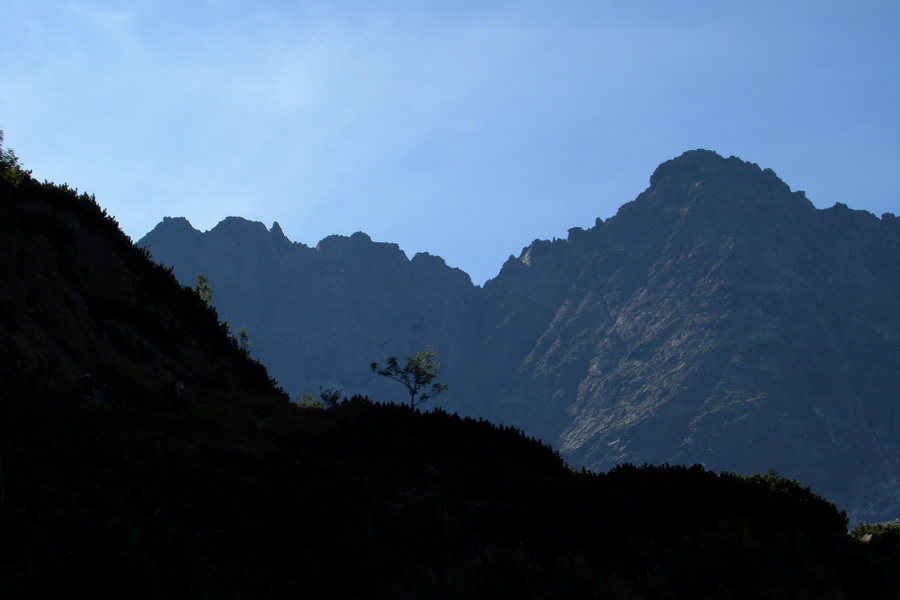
718	318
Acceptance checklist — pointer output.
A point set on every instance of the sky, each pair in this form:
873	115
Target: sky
462	129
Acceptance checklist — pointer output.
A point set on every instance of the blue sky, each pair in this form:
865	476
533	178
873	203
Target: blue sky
464	129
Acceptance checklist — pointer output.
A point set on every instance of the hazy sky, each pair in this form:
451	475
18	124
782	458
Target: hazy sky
464	129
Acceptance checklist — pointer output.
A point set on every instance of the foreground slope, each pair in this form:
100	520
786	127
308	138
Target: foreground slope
79	299
719	318
117	491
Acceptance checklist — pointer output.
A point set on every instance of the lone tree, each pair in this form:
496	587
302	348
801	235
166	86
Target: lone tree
418	373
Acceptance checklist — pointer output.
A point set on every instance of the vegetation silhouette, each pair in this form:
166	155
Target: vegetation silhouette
204	289
416	375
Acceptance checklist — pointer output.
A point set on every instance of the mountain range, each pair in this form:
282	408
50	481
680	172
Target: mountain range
719	318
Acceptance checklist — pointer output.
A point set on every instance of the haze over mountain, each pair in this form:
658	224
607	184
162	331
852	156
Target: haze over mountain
718	318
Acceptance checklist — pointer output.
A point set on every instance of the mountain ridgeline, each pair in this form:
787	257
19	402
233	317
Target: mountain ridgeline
719	318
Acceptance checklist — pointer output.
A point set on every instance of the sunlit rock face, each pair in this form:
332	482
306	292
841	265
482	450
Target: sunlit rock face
718	318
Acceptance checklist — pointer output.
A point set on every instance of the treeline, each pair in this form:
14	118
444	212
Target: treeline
240	498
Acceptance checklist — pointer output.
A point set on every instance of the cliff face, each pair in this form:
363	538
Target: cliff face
717	318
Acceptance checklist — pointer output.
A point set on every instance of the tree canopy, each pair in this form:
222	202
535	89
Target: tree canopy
10	168
416	375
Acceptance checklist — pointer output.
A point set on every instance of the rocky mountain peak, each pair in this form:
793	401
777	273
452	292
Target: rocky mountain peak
714	193
175	225
172	230
695	166
359	249
429	267
278	233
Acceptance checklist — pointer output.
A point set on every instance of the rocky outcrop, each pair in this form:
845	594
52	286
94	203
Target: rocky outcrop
718	318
